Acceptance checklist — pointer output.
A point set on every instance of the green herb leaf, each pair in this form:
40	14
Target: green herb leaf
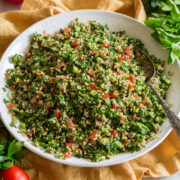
14	147
9	152
177	2
176	49
6	165
3	140
175	13
167	29
3	158
18	156
171	58
164	6
154	22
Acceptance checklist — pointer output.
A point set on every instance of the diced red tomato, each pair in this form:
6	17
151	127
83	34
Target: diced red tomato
57	79
115	106
149	105
94	134
107	62
105	96
131	79
52	57
57	113
131	116
77	150
48	105
114	133
58	65
120	57
98	123
114	94
120	73
67	154
126	142
69	145
122	119
136	118
7	78
43	86
90	73
106	45
128	52
145	99
136	96
66	32
92	86
33	100
11	105
75	43
131	87
70	123
41	103
97	52
79	58
70	140
52	81
125	58
30	133
12	85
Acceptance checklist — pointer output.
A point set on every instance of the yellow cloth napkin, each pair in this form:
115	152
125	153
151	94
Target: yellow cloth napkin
162	161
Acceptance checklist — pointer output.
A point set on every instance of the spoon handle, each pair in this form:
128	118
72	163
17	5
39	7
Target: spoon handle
173	119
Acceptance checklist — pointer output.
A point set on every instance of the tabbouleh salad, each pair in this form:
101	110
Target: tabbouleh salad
81	92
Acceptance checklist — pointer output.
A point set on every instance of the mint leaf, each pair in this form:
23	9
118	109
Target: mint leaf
3	140
177	2
10	152
6	165
5	101
2	147
175	12
164	6
154	22
3	158
18	156
14	147
176	49
166	28
171	58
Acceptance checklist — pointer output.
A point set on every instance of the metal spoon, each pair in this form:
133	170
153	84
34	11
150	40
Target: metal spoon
149	69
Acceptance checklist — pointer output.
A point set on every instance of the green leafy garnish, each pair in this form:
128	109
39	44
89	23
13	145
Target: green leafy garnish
158	6
10	151
167	29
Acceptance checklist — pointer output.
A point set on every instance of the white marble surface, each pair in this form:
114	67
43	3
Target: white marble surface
9	7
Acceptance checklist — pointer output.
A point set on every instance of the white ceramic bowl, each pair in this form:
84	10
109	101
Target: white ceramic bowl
116	22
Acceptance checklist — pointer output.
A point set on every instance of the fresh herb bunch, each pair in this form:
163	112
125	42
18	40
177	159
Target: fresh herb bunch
10	151
158	6
167	30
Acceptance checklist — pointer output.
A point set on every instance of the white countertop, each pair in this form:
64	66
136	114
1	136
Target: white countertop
9	7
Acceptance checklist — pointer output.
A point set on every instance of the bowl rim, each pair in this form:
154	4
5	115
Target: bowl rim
43	154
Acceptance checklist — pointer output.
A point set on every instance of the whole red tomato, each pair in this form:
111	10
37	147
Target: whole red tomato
13	173
14	1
